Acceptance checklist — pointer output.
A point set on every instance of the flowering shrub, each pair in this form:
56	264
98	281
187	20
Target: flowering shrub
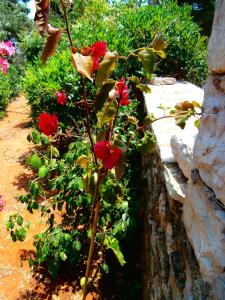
6	49
81	171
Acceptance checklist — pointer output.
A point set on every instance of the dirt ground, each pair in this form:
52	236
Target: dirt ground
16	278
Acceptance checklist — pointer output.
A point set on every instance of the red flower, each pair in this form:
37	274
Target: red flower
61	98
122	92
48	124
98	50
107	153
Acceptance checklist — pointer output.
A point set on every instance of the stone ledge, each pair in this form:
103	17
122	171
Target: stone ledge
169	96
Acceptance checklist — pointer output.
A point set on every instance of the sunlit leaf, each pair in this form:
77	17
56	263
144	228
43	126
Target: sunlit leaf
54	35
196	104
132	120
149	119
144	88
147	58
35	161
158	43
161	53
197	122
134	79
147	144
63	256
106	67
181	117
113	244
83	64
41	15
185	105
107	113
42	172
103	93
19	220
83	161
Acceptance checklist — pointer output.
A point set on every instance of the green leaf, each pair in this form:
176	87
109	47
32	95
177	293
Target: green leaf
89	233
158	43
147	58
106	67
113	244
77	245
134	79
19	220
103	94
149	119
67	237
161	53
147	144
197	123
21	234
82	281
105	268
132	120
107	113
53	151
13	236
63	256
181	117
42	172
10	224
144	88
35	161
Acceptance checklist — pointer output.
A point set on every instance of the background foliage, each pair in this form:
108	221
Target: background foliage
124	27
14	25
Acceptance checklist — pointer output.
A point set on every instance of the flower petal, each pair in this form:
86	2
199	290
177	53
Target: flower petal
100	149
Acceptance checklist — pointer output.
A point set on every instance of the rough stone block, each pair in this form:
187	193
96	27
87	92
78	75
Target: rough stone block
216	47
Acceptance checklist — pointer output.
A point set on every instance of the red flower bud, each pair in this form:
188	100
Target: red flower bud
107	153
48	124
61	98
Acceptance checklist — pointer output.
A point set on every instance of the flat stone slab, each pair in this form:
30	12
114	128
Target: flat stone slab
164	129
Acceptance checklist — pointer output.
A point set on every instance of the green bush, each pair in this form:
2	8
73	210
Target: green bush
41	84
124	29
9	87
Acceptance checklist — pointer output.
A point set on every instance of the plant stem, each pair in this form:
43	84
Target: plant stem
88	124
67	23
94	216
91	249
160	118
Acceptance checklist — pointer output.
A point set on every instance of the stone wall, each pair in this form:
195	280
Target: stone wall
185	195
172	270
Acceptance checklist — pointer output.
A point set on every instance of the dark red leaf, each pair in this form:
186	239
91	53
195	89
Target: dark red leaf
54	35
41	15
